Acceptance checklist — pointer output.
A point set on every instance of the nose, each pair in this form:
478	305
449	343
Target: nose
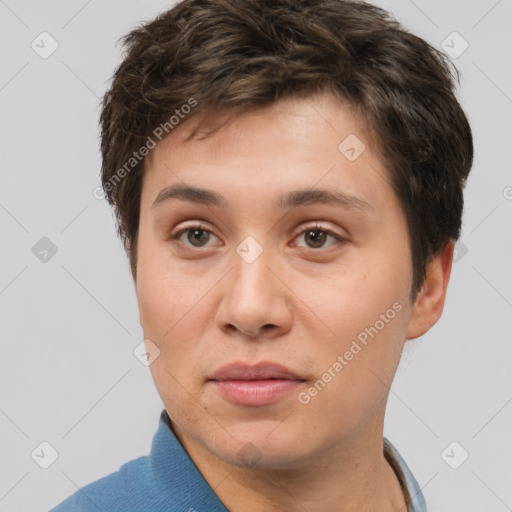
255	301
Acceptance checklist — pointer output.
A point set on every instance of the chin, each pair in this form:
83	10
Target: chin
260	446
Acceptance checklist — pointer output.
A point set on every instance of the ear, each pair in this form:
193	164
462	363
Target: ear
429	302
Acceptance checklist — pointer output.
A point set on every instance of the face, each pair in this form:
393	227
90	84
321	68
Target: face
278	294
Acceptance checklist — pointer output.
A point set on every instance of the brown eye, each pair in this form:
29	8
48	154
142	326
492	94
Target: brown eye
196	236
316	237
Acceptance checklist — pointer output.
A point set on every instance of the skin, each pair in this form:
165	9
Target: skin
300	304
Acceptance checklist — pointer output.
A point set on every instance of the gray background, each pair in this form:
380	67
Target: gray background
68	375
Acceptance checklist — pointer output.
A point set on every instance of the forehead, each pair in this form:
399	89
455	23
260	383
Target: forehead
315	142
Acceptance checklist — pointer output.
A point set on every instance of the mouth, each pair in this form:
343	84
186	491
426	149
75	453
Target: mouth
255	386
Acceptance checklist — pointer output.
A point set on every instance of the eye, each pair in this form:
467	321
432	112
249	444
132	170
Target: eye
199	235
317	235
196	235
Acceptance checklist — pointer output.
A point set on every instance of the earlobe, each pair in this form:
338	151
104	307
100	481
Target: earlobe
429	303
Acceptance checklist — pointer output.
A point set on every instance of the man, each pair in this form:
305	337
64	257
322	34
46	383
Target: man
287	178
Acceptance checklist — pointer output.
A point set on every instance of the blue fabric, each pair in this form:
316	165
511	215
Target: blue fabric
168	481
412	491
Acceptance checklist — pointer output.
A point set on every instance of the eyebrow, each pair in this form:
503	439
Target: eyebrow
292	199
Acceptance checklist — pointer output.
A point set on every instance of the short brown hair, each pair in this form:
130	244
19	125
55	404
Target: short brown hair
235	55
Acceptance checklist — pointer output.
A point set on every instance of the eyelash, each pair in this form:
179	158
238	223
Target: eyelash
315	227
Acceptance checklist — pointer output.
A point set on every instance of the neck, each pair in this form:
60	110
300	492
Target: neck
348	478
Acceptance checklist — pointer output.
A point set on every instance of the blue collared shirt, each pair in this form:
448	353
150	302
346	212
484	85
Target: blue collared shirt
168	481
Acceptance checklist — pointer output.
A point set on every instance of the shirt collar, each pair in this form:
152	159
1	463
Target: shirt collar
177	477
412	491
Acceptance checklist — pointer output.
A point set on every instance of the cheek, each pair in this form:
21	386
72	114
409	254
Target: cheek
353	300
167	305
367	313
356	367
174	311
163	295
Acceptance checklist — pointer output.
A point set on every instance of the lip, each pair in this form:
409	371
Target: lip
255	385
261	371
